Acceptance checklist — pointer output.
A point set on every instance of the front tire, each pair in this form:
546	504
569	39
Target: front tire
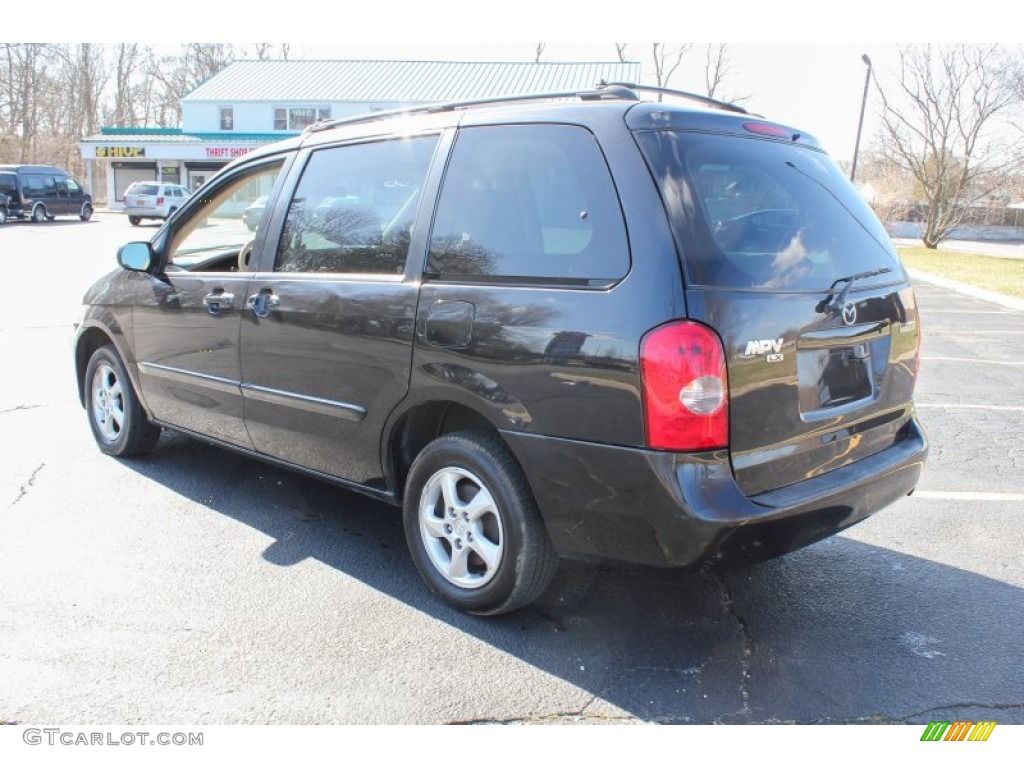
39	214
3	215
118	423
472	525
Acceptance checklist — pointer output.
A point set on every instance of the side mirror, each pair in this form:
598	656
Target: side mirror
138	257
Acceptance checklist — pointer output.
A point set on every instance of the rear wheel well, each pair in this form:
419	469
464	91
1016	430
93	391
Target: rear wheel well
90	341
423	424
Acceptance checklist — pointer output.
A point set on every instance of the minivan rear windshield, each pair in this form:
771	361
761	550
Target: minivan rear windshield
750	213
143	189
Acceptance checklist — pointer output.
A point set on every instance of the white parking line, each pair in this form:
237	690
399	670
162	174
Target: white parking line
971	360
964	406
970	312
968	496
983	333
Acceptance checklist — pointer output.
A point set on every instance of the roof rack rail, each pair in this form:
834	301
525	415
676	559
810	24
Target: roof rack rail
603	91
705	100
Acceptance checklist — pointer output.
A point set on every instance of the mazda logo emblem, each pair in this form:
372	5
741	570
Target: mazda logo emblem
849	313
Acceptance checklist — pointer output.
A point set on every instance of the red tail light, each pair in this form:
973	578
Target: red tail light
686	392
159	201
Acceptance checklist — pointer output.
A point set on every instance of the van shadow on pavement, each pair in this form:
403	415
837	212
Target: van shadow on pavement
838	632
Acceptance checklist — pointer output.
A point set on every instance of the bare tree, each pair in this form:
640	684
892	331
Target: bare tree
203	60
90	81
938	123
539	52
125	94
620	50
265	51
666	62
27	66
176	76
719	69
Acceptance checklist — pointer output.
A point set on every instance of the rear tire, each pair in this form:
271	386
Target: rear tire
134	220
39	214
118	423
86	212
472	525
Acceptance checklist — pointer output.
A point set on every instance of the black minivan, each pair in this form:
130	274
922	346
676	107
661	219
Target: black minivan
43	192
575	325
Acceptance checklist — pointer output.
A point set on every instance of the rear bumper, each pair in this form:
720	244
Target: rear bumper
145	213
686	511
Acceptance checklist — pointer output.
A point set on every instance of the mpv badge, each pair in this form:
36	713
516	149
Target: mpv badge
849	313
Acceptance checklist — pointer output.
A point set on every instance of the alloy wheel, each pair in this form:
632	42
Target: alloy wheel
107	402
461	528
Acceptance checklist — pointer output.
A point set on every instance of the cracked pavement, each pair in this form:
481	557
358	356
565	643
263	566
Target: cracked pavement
196	586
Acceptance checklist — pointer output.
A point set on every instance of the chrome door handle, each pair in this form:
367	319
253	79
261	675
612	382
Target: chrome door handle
215	301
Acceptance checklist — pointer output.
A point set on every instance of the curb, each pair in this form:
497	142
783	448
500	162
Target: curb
1001	299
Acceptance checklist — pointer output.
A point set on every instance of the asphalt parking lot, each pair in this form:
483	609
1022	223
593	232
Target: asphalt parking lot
196	586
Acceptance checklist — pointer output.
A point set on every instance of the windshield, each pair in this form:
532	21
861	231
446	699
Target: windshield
754	214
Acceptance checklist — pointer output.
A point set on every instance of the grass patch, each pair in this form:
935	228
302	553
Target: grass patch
989	272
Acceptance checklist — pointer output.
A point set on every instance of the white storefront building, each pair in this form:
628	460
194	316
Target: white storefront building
252	103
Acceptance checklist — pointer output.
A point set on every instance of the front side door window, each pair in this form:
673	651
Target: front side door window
214	234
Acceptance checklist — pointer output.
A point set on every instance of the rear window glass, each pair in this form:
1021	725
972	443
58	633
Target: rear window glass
756	214
143	189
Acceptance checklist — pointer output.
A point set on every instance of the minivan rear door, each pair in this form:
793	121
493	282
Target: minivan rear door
327	330
787	263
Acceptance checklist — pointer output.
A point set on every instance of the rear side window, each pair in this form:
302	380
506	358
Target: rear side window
529	203
354	208
756	214
37	184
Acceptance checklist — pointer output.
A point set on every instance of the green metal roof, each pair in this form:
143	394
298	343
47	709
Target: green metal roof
402	82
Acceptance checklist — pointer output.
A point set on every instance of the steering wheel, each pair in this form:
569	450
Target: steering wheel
245	255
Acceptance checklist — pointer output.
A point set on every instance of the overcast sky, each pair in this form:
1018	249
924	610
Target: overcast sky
814	86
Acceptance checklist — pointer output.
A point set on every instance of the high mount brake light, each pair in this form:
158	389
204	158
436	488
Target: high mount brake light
767	129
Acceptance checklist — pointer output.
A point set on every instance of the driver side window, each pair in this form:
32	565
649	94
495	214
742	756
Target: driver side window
225	222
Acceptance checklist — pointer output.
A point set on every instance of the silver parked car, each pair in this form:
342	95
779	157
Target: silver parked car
153	200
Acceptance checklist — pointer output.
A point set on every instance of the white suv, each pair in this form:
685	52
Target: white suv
152	200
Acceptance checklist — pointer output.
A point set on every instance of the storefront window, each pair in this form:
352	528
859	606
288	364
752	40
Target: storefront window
227	118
